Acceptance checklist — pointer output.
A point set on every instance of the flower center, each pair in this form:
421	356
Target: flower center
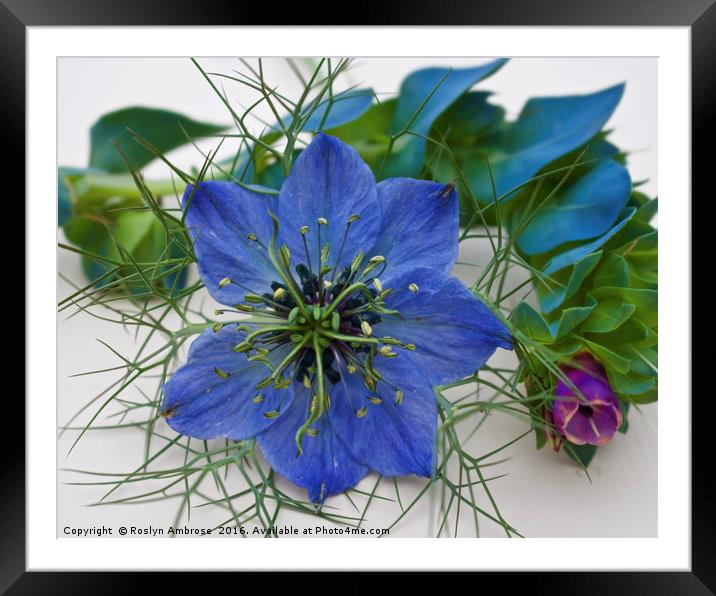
317	323
585	411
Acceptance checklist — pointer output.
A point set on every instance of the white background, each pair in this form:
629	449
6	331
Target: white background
669	551
544	494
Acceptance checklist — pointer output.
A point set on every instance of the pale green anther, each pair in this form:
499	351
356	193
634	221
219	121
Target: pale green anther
326	324
293	315
224	282
373	263
221	373
357	260
296	338
322	221
409	346
335	321
244	308
351	368
253	298
282	383
244	346
257	399
251	236
326	401
216	327
285	255
304	230
326	269
369	382
306	382
312	432
327	284
362	412
384	294
391	341
413	288
271	414
314	403
264	383
262	351
366	328
280	294
325	251
378	284
353	218
387	352
398	396
375	400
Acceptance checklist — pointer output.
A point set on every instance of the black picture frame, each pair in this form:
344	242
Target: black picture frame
699	15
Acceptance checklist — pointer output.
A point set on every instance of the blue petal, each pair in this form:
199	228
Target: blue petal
546	129
394	439
587	209
325	467
454	333
220	217
446	86
420	225
202	404
329	180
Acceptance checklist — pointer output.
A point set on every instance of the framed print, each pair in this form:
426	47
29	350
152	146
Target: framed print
351	296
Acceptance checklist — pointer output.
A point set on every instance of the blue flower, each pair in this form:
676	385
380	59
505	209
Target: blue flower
354	318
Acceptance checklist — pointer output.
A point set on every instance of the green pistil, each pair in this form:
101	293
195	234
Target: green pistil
292	354
318	400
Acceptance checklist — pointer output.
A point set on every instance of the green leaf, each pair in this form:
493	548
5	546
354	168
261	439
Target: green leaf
647	397
528	321
572	279
582	454
370	133
612	271
645	301
608	316
609	359
630	384
164	129
571	317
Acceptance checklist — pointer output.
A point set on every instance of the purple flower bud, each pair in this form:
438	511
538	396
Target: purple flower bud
592	415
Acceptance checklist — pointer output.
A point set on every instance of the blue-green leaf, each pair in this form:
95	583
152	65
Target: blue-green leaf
164	129
571	256
587	208
546	129
447	85
343	108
